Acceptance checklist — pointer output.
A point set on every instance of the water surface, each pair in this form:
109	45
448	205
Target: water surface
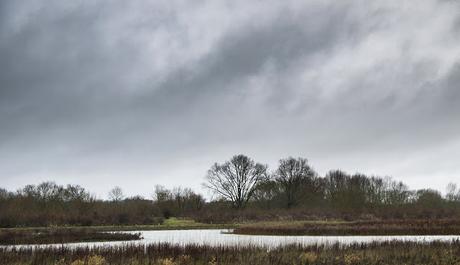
219	237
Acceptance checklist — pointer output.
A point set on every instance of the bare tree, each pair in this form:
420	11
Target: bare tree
116	194
453	193
162	194
396	193
236	180
294	176
4	194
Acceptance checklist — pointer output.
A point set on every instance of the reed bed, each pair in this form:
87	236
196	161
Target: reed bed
387	227
61	235
387	253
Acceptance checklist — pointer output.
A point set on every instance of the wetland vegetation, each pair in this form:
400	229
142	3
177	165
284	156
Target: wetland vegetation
389	253
61	235
344	228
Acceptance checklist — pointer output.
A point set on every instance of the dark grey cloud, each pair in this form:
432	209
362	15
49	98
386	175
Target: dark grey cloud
105	93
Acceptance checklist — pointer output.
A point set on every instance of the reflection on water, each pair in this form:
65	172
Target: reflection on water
218	237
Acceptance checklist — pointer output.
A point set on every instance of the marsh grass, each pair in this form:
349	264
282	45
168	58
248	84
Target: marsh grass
394	253
61	235
337	228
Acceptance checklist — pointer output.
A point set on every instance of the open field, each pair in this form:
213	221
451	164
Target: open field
387	227
393	253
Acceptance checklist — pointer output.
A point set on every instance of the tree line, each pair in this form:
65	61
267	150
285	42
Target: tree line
243	190
295	183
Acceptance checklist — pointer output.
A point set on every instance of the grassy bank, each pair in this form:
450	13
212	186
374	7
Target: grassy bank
394	253
387	227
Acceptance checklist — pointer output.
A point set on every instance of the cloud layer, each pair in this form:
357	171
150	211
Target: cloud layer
138	93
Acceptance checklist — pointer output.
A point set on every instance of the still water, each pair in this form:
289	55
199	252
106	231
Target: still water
219	237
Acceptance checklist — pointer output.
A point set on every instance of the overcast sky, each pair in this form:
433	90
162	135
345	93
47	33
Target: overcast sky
140	93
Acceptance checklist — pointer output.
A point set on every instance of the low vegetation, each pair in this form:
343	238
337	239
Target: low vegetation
390	253
342	228
61	235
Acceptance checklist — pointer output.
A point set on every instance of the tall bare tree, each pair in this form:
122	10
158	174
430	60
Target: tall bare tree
295	177
116	194
236	180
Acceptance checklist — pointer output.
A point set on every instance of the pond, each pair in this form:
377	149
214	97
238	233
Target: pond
219	237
